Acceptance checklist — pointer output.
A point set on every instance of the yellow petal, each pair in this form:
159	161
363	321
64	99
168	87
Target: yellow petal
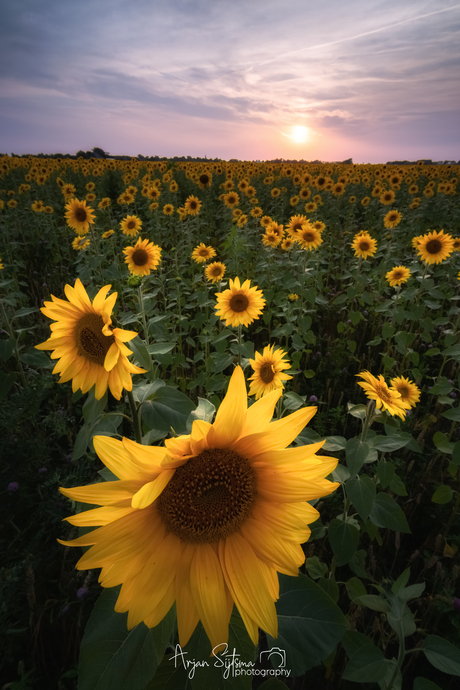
187	614
116	457
150	491
231	414
98	516
207	585
104	493
98	301
111	357
277	435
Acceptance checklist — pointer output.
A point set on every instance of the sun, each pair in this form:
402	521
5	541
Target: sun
300	134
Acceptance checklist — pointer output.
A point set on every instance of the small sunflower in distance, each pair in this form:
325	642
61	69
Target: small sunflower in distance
268	368
385	398
192	205
131	226
202	253
409	392
79	216
80	242
214	272
435	247
143	257
208	520
398	275
364	245
240	305
89	350
293	296
392	219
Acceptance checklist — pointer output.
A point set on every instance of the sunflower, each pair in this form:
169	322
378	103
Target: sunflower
271	239
385	398
275	192
214	272
308	237
143	257
202	253
168	209
265	221
173	186
364	245
153	193
206	521
131	226
38	206
104	203
79	216
192	205
107	234
89	350
365	201
125	199
294	200
268	368
435	247
242	220
90	187
293	297
80	242
392	219
387	198
409	392
68	189
240	304
287	243
231	199
398	275
205	180
455	244
256	212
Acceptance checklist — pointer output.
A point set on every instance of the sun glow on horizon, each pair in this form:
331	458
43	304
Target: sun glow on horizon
299	134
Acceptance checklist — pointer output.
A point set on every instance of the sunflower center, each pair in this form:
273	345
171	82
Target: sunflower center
140	257
131	225
203	252
92	344
216	271
308	236
404	391
204	179
80	215
397	275
239	303
433	246
383	394
364	246
267	372
193	205
209	497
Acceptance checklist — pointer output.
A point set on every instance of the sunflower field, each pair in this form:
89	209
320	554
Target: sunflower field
230	434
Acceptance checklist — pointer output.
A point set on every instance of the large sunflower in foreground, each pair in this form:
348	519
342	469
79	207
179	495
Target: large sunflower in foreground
435	247
268	371
385	398
364	245
79	216
207	521
409	392
89	350
240	304
143	257
398	275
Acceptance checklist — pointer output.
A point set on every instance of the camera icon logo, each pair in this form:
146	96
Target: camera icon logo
273	655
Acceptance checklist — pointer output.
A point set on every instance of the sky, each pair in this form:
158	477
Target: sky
249	79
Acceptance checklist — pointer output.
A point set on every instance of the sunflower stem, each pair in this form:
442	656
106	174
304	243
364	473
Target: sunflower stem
10	330
239	336
368	419
144	320
135	417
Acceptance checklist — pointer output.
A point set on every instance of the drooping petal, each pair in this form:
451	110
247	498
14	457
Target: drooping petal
150	491
207	585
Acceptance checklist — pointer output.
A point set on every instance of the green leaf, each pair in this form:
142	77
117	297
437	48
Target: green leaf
367	662
361	492
374	602
386	513
292	401
310	625
424	684
453	351
37	358
115	658
453	415
7	349
204	411
385	473
356	454
397	486
141	354
160	348
309	373
335	443
442	654
169	409
443	494
81	442
401	582
387	331
143	391
441	442
330	586
387	444
456	453
411	592
358	411
344	540
92	409
355	588
6	383
315	567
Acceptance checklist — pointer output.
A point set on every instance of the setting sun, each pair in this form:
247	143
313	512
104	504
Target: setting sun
300	134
